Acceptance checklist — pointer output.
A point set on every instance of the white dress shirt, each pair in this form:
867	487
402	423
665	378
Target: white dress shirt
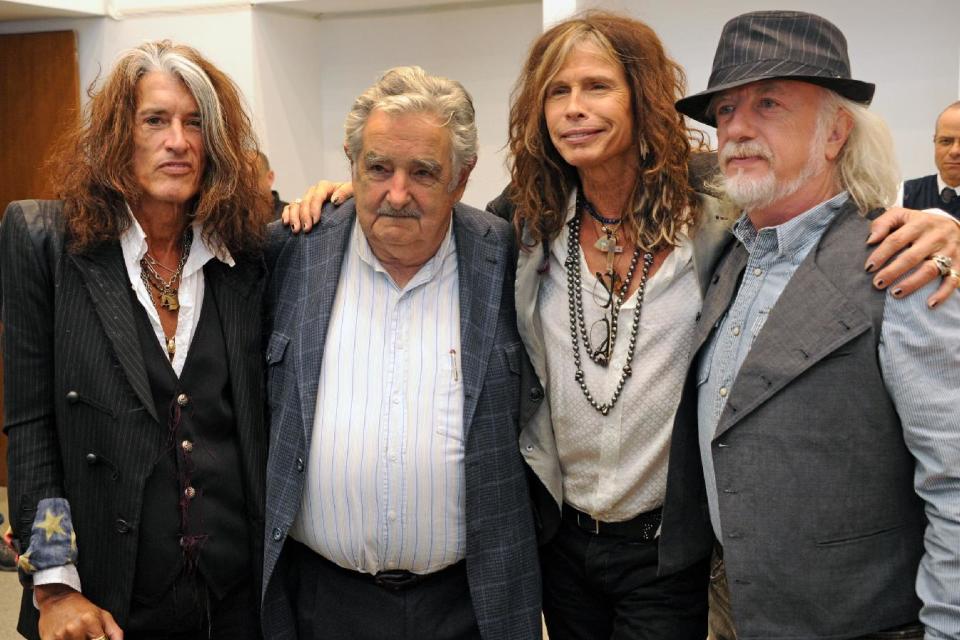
384	485
615	466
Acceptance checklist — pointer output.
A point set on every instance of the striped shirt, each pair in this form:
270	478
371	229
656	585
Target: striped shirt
385	478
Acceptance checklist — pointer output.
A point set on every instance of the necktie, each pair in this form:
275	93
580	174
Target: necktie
947	195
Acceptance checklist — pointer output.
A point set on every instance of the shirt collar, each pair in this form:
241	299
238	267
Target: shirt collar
427	272
941	185
794	237
133	243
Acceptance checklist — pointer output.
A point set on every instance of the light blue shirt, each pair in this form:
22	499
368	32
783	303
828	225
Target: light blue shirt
919	357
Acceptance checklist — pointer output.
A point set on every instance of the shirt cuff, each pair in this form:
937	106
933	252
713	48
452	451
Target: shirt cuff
65	575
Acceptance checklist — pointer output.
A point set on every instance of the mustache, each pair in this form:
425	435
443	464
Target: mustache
409	211
753	148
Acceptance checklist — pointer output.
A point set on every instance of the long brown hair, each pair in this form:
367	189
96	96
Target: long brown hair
662	201
92	165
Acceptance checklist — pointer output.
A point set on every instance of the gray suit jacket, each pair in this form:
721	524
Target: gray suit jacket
501	558
823	531
77	403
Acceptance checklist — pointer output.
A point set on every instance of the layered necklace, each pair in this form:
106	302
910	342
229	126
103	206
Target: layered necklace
614	297
164	290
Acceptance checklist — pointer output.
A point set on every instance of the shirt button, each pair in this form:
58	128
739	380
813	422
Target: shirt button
187	446
392	515
391	565
735	331
72	397
758	271
529	447
300	465
190	492
182	400
276	534
723	392
396	399
393	456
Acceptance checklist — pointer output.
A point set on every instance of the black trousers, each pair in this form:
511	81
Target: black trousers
190	611
602	587
333	603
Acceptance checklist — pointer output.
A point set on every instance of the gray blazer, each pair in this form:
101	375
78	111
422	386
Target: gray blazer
78	407
537	440
501	555
823	532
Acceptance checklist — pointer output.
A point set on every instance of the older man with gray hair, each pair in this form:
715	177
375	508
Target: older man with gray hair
398	504
823	413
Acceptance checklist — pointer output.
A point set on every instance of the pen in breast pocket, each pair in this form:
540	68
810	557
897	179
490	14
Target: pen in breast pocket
453	364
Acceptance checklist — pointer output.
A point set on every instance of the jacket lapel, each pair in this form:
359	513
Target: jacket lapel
529	276
480	269
811	319
323	252
105	276
723	287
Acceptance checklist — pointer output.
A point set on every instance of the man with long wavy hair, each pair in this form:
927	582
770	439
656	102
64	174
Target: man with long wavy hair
133	397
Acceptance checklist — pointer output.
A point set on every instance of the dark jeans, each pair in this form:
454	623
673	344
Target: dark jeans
333	603
600	587
189	611
721	621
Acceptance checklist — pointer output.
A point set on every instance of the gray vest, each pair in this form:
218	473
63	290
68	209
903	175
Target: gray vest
823	532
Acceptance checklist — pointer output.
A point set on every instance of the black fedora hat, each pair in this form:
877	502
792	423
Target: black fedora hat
778	44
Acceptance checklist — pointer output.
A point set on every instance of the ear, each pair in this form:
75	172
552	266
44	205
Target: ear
462	182
271	176
838	134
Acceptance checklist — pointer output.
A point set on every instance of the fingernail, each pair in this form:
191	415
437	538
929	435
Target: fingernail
932	304
897	292
336	200
878	283
869	267
870	238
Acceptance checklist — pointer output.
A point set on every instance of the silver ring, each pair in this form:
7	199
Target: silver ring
944	264
298	201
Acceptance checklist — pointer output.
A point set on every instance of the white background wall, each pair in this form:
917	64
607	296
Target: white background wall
300	73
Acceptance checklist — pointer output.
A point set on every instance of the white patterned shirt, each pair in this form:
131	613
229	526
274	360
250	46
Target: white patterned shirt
615	466
385	479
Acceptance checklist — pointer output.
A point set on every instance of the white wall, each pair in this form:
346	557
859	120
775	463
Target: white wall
309	76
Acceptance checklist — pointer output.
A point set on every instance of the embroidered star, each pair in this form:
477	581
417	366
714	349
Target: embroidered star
51	525
24	563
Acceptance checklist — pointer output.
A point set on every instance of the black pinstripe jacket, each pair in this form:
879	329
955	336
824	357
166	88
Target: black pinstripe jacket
69	329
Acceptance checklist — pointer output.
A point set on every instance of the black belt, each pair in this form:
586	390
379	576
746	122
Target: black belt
393	580
642	527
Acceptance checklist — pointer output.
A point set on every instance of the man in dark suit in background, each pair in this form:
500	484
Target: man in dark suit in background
940	191
133	395
398	504
266	177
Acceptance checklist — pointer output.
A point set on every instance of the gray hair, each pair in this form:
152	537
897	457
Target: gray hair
403	90
867	165
176	60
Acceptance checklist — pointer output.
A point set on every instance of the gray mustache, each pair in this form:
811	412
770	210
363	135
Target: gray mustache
406	212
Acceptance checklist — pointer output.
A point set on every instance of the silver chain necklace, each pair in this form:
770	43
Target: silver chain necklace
578	326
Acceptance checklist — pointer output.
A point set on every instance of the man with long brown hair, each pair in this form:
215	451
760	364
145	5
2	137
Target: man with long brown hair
133	397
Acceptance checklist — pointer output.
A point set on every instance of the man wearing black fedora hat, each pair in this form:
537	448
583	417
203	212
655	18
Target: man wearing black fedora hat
822	411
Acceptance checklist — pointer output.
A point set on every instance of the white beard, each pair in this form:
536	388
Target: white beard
758	192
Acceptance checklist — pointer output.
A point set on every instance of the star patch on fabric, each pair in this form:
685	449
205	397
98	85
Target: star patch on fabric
53	542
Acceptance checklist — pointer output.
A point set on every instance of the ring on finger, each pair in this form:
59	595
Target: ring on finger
956	276
100	638
944	264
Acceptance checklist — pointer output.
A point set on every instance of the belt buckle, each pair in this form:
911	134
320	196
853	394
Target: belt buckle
396	580
596	524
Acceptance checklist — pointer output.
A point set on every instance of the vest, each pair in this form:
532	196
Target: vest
924	193
823	532
193	516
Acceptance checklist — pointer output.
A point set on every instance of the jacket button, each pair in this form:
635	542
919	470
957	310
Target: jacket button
277	534
72	397
300	465
91	458
536	394
190	492
182	399
187	446
122	526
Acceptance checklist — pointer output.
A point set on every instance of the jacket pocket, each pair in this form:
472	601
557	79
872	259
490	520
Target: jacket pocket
858	537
